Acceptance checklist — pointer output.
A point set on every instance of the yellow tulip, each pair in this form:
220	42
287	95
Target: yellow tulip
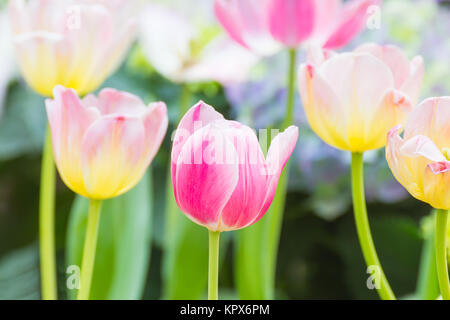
420	160
77	44
352	99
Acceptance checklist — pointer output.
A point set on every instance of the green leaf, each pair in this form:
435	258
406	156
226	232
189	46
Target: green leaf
124	243
19	274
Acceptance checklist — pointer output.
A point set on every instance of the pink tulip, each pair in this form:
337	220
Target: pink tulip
103	145
253	23
220	176
420	160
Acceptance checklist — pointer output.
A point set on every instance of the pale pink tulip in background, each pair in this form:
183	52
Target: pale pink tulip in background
220	176
77	44
256	23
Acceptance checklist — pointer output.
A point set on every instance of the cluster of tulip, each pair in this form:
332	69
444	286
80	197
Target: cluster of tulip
102	145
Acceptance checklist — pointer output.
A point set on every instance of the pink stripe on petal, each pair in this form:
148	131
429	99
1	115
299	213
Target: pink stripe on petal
248	197
113	101
439	167
291	21
197	117
352	22
229	16
203	185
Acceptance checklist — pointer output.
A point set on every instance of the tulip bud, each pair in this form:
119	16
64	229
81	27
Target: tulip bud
220	176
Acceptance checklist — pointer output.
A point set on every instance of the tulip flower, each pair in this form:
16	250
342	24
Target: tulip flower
102	148
187	46
77	44
420	161
255	24
221	179
351	101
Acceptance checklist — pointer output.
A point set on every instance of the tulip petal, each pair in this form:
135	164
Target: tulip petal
437	185
206	176
112	101
413	84
68	120
279	152
155	125
326	115
197	117
112	152
291	21
352	21
432	119
394	58
248	197
360	81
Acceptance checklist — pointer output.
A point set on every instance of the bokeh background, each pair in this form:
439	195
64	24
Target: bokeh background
319	255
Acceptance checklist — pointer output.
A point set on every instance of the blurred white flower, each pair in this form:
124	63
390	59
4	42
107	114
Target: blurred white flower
183	42
7	61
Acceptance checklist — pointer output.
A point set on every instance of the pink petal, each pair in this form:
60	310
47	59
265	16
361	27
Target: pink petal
352	21
246	23
197	117
113	156
413	83
112	101
440	167
291	21
279	152
432	119
248	197
155	125
206	175
394	57
229	15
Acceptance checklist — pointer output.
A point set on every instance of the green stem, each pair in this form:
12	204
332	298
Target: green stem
289	119
213	270
90	244
363	228
47	222
441	253
427	283
275	216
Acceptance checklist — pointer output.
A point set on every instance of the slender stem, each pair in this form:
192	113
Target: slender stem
213	270
47	222
441	253
363	228
185	99
289	119
90	244
427	283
